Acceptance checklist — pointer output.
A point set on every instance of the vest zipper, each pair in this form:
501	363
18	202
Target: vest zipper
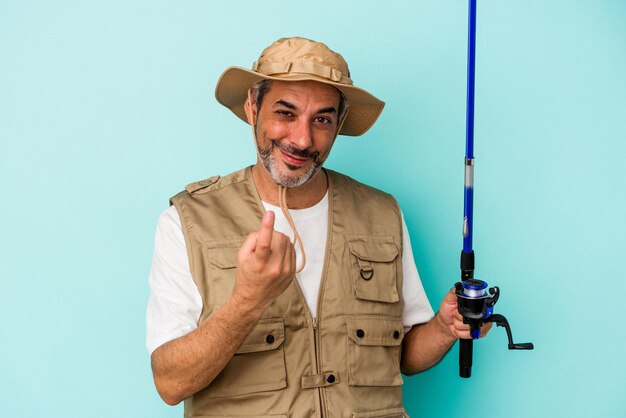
320	391
314	321
314	339
320	295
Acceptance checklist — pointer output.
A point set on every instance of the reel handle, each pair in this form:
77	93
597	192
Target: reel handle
501	321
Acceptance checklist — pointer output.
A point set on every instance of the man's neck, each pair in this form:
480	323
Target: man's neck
301	197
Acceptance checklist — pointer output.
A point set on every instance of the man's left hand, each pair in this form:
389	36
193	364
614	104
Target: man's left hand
450	318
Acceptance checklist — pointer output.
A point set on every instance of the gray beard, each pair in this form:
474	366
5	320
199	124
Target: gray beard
284	179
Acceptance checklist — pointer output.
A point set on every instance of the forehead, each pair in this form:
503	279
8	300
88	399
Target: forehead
303	90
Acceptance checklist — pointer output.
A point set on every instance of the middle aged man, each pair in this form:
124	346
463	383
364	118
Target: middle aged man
229	329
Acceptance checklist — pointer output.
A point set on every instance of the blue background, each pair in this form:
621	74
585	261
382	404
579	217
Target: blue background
107	109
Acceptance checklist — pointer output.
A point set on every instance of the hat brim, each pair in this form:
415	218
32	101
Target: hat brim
234	83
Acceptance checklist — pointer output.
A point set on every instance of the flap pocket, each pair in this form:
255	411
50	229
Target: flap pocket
373	266
374	346
258	365
375	331
379	249
222	253
384	413
269	334
240	416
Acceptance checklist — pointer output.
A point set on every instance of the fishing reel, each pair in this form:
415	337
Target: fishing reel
475	302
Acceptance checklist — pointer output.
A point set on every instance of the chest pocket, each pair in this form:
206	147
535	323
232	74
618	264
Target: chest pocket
221	256
257	366
373	268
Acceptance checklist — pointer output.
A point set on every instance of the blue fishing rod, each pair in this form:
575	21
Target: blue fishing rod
475	299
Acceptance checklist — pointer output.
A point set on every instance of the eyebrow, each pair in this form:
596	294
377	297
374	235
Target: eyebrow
291	106
328	110
285	104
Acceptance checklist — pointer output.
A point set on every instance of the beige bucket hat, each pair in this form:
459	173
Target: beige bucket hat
298	59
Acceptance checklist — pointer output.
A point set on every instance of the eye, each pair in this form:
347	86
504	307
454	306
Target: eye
323	119
283	112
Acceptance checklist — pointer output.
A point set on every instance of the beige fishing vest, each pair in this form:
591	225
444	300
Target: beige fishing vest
346	363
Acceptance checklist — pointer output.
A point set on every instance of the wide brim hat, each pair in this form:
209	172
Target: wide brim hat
300	59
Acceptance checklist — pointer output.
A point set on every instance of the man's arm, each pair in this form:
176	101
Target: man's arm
426	344
183	366
265	268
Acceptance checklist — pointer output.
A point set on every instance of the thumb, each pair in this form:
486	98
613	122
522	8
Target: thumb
450	298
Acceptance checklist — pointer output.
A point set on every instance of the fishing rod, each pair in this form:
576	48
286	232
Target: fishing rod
475	299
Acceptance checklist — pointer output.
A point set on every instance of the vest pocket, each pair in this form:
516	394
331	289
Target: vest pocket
240	416
374	349
222	253
384	413
257	366
218	280
373	268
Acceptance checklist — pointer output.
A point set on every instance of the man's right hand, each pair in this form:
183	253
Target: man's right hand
266	265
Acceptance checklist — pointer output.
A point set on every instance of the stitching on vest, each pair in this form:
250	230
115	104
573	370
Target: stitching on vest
219	182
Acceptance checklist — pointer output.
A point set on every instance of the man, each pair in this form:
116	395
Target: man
229	329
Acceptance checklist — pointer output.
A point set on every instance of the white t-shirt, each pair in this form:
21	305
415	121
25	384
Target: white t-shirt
175	304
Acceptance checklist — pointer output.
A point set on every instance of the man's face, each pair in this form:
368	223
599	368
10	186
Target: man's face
296	127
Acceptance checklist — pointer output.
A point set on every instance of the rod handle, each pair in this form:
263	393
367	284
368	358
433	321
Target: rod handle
466	348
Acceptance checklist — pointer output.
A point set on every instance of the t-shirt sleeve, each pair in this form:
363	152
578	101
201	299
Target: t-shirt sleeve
417	309
175	304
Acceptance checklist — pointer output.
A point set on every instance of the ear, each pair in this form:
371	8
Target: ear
250	109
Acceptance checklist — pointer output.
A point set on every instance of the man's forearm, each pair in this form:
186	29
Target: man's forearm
424	345
184	366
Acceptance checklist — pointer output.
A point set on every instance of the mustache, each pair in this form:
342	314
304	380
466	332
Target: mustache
290	149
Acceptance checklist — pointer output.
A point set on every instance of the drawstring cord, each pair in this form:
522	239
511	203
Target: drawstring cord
282	202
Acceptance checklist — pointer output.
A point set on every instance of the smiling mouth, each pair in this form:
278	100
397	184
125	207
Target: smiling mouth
293	161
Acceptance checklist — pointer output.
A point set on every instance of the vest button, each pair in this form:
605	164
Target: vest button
330	378
269	339
396	334
360	333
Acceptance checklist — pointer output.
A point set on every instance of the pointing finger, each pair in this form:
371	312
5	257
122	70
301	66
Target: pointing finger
264	239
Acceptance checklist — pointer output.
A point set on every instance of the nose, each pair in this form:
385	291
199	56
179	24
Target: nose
302	135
